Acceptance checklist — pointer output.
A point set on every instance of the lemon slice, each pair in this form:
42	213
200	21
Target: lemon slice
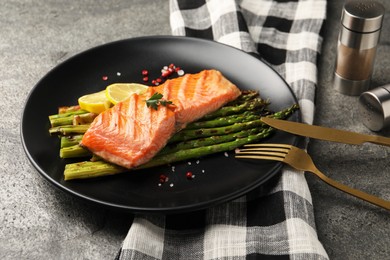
95	102
118	92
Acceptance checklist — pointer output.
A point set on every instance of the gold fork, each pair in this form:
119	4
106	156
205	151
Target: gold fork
300	160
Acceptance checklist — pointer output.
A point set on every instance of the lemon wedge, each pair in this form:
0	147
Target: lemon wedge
118	92
95	102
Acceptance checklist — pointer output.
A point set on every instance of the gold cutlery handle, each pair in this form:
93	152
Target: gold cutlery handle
354	192
377	139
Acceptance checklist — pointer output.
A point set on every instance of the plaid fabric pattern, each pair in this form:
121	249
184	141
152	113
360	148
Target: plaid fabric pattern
279	224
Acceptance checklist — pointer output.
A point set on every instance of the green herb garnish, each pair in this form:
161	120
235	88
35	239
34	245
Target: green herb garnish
156	100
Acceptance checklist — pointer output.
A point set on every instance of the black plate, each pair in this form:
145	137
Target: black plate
224	178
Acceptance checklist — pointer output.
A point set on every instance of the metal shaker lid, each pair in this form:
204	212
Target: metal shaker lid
362	15
374	108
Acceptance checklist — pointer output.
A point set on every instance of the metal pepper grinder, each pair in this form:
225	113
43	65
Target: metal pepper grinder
374	108
361	22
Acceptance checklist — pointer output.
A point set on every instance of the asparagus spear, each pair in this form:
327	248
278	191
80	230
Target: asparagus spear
190	134
223	121
285	113
61	121
66	109
69	129
84	119
215	139
74	151
246	95
207	141
102	168
256	103
69	113
87	169
71	140
205	150
74	119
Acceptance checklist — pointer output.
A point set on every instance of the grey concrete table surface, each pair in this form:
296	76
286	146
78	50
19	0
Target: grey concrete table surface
40	222
348	228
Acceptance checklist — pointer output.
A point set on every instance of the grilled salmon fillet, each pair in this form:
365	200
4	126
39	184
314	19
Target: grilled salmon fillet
130	133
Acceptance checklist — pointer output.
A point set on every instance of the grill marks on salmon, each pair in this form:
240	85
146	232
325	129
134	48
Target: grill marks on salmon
130	134
196	95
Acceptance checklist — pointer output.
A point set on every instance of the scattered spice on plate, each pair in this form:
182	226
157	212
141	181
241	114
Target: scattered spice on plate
166	72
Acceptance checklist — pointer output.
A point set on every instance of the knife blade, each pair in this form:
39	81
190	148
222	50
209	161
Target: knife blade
325	133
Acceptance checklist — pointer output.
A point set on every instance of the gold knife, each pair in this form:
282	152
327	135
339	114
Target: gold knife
325	133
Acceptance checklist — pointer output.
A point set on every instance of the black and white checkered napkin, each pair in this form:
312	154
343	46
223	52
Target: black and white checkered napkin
279	225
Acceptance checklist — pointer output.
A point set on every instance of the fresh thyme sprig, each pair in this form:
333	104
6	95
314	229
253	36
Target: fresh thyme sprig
156	99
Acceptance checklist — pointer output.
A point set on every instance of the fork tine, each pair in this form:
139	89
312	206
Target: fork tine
269	145
264	152
270	149
261	157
